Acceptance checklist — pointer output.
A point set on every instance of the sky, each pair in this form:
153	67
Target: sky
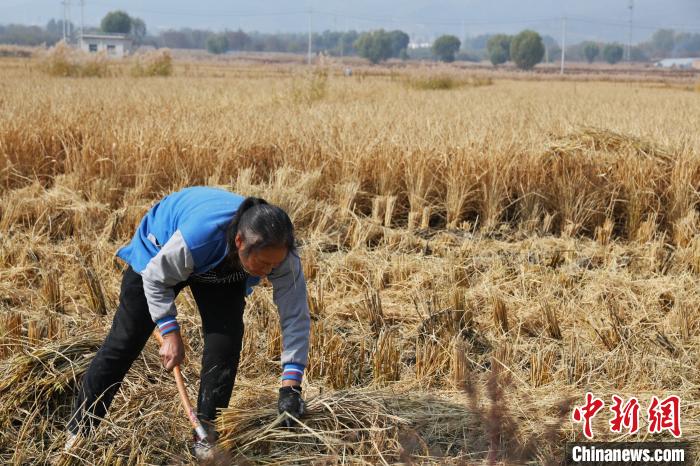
605	20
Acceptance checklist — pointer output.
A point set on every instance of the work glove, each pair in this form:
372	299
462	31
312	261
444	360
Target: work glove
291	402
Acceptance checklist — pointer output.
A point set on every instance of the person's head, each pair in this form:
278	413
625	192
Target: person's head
259	236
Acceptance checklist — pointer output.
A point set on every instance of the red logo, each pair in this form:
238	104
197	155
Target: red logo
662	415
665	415
587	412
626	416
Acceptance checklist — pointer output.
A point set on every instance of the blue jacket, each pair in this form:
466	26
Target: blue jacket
184	234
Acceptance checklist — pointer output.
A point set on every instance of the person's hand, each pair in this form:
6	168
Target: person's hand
172	351
291	402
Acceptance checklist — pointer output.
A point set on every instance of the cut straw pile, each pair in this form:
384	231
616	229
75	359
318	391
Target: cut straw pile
357	423
35	388
33	379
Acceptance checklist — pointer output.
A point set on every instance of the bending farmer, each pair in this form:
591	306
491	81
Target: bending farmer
219	244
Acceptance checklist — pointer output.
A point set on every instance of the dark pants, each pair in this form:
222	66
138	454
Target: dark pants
221	308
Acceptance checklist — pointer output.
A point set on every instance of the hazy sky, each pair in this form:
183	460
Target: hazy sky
587	19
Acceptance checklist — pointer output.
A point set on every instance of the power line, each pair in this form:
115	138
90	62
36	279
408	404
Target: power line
395	19
18	5
619	23
384	19
404	20
199	13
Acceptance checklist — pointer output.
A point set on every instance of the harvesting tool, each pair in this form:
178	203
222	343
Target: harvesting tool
184	399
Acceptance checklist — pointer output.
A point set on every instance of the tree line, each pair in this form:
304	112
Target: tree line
525	49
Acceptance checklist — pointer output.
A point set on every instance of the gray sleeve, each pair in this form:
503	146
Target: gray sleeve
289	294
173	264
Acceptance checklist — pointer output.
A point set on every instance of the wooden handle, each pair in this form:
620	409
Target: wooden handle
184	399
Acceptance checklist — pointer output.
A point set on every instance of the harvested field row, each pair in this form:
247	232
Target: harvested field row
477	258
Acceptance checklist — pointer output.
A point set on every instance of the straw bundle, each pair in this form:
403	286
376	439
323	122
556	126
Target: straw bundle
36	377
370	426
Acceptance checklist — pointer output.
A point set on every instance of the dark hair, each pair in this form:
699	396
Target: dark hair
261	225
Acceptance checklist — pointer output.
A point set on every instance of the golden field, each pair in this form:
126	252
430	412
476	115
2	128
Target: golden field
478	256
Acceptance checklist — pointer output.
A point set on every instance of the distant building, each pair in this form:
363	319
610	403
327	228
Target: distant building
419	45
681	63
115	45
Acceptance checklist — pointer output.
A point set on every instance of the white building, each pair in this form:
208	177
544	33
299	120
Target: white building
682	63
114	45
419	45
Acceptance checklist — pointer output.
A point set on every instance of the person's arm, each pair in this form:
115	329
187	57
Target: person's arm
289	294
173	264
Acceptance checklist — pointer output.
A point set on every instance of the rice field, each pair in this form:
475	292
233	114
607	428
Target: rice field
478	256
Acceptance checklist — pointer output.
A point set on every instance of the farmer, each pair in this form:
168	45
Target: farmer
219	244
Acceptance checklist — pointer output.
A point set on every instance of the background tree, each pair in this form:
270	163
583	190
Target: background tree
173	39
327	41
638	54
553	54
138	30
527	49
498	48
185	38
477	45
687	44
346	44
399	43
238	40
273	43
197	37
663	42
612	53
375	46
590	51
217	43
27	35
116	22
445	47
55	27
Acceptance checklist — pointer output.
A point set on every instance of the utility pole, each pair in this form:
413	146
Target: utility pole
63	23
563	44
69	29
309	51
82	22
70	23
629	37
